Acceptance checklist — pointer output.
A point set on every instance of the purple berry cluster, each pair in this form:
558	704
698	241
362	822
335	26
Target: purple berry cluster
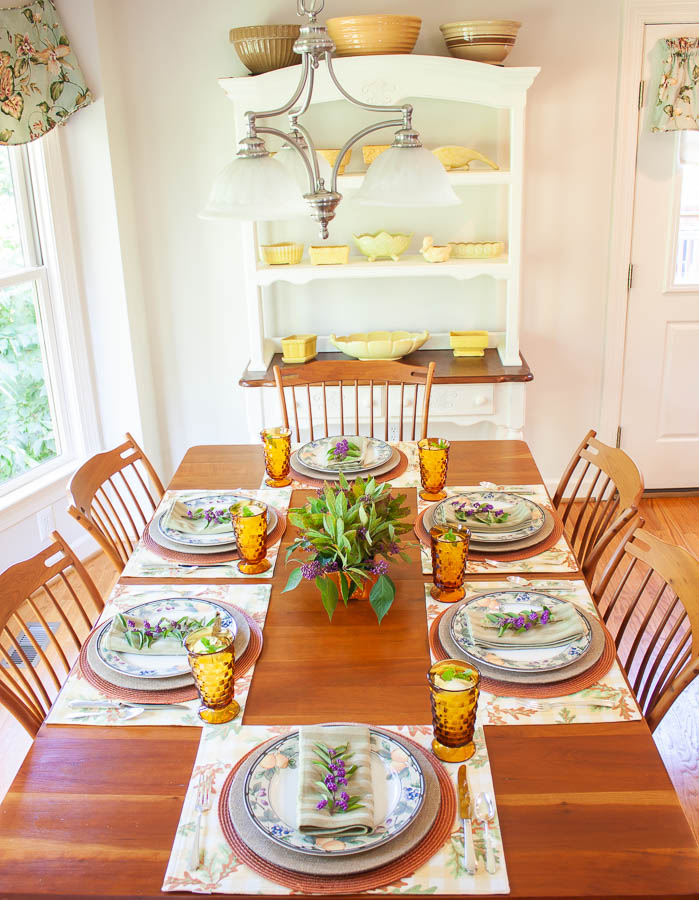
341	449
333	760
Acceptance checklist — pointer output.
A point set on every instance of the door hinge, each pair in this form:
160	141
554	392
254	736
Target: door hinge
618	437
629	277
641	93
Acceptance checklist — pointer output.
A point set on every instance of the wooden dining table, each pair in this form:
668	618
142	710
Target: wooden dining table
585	810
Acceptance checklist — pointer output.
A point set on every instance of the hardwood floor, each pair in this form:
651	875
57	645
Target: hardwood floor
675	519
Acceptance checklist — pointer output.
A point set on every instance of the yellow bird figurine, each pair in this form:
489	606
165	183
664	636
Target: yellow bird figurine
434	254
453	157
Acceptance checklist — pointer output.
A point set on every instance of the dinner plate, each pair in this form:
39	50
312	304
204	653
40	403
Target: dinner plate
444	515
377	453
140	665
161	534
383	469
202	539
546	658
271	792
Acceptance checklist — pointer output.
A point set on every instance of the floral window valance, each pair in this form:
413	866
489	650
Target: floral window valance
677	106
40	81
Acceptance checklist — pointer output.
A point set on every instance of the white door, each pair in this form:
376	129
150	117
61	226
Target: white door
660	405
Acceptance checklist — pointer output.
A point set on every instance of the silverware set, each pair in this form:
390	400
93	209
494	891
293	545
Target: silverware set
202	805
484	814
131	710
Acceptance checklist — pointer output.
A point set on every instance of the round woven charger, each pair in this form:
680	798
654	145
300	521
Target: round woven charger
517	689
361	881
173	695
209	559
525	553
397	470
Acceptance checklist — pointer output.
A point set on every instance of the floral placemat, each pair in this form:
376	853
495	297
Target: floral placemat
221	872
252	598
609	700
143	563
559	558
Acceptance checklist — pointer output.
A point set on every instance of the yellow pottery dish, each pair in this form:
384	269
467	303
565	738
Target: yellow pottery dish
371	151
476	249
263	48
468	343
331	155
281	254
373	35
329	255
299	348
380	344
455	157
432	253
383	245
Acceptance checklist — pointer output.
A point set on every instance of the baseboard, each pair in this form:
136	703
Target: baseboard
650	493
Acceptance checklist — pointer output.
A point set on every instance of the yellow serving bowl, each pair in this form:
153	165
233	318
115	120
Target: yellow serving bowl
380	344
383	245
468	343
373	35
331	155
476	249
481	40
299	348
328	254
263	48
281	254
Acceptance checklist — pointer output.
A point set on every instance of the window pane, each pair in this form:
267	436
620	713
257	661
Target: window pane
11	252
28	435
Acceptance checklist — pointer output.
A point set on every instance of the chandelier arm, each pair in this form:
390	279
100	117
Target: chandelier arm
271	113
311	150
288	139
405	109
389	123
309	93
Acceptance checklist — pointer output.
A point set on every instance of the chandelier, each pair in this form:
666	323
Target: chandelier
255	186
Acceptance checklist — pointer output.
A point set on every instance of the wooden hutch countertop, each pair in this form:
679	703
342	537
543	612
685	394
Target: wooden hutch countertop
448	369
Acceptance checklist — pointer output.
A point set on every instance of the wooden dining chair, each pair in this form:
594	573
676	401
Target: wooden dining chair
113	501
327	384
597	497
48	604
648	596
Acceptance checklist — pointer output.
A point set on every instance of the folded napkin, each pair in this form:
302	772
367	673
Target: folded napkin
319	821
518	514
565	625
179	520
349	462
169	645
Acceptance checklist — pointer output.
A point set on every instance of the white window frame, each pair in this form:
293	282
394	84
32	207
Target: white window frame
62	330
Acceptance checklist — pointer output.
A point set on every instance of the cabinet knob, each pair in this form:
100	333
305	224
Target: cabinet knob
480	400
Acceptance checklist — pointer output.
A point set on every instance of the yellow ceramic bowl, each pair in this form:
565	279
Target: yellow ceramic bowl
373	35
382	245
481	40
476	249
263	48
331	155
371	151
468	343
380	344
299	348
281	254
329	255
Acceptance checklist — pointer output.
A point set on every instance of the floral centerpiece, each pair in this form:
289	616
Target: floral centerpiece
351	532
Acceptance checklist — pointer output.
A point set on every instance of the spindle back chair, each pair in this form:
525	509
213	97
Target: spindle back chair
597	497
112	499
384	375
48	604
648	595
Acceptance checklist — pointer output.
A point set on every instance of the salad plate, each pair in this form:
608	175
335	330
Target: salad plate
271	786
141	665
224	539
313	455
452	512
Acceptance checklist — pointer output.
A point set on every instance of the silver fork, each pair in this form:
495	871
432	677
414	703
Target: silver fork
202	805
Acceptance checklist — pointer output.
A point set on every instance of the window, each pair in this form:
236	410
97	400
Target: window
687	255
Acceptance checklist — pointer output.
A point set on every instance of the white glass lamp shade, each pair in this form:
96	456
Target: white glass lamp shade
293	163
254	189
406	176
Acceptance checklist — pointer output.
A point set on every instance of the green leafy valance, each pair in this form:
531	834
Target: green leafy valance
40	81
676	107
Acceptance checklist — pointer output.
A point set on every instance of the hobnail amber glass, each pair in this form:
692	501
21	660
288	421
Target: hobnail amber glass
433	456
251	538
214	677
276	443
454	711
449	558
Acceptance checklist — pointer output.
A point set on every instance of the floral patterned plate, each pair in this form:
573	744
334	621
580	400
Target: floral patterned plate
219	501
444	514
271	789
312	455
141	665
544	658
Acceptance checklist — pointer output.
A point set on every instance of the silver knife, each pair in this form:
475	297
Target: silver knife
121	704
465	813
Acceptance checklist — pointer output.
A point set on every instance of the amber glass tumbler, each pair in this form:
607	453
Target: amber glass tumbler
454	702
449	558
276	443
214	676
433	455
251	538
